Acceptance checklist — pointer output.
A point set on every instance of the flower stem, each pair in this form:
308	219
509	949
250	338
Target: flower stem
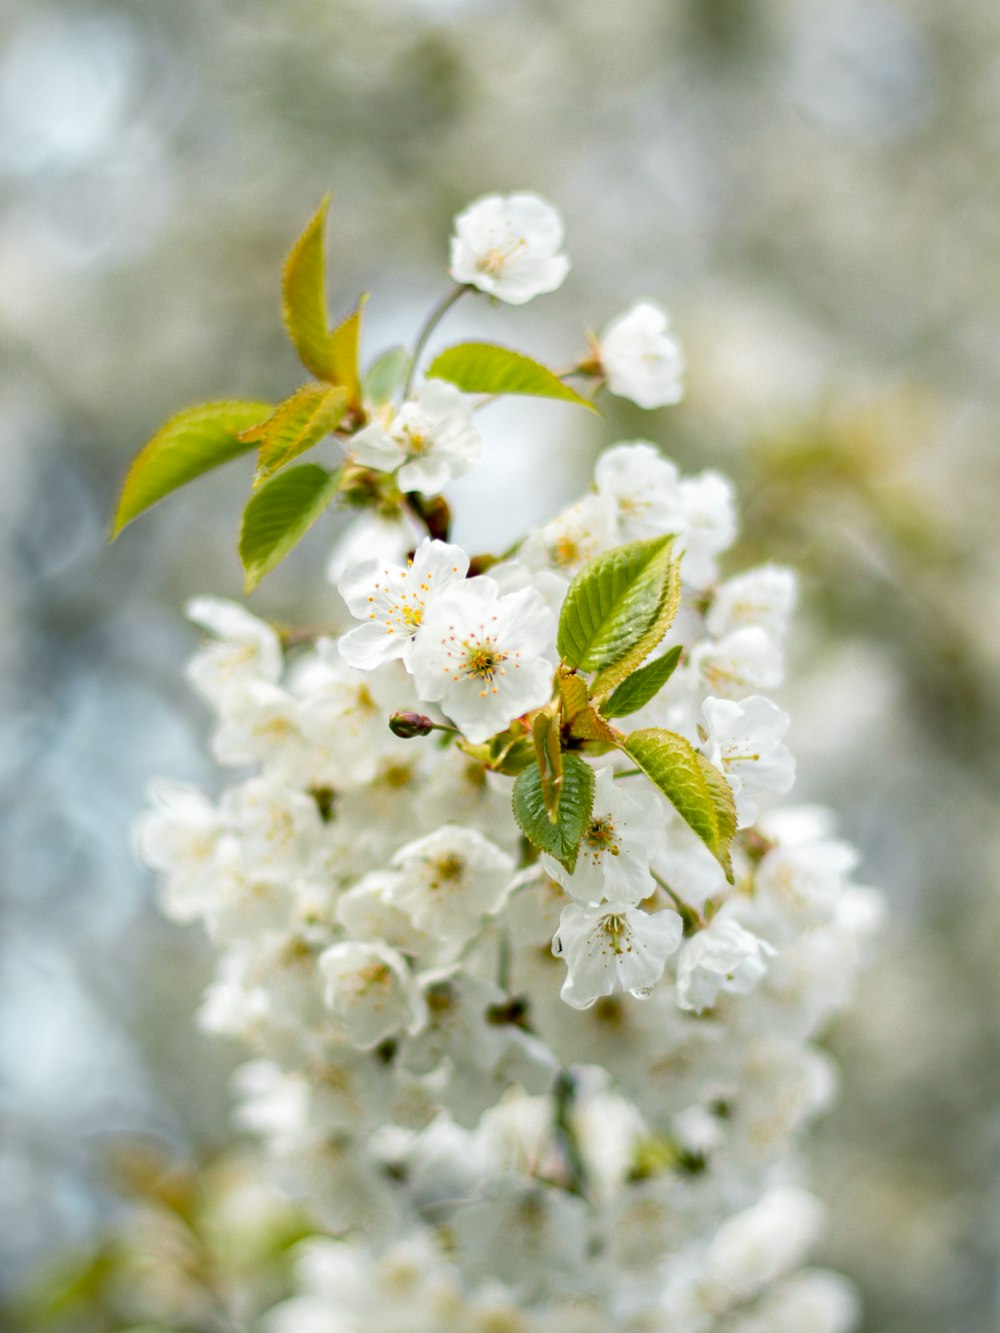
429	325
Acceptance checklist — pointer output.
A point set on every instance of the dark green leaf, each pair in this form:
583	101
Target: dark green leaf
576	803
644	684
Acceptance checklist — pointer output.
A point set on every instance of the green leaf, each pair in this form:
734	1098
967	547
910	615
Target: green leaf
643	685
193	442
299	423
280	514
303	285
562	838
670	762
613	675
385	376
486	368
612	603
345	348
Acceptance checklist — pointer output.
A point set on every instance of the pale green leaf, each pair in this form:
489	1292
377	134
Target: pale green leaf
485	368
297	425
303	285
280	514
674	766
193	442
612	603
386	376
644	684
576	803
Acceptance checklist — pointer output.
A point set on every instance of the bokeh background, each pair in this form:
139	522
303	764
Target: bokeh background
811	187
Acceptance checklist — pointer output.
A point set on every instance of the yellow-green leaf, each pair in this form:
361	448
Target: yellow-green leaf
674	766
345	348
562	838
303	285
612	603
486	368
280	514
193	442
670	599
296	426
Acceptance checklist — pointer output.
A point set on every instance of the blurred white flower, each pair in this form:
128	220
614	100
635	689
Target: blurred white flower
510	247
641	359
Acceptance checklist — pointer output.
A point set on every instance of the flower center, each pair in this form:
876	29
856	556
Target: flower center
617	931
447	869
600	837
483	659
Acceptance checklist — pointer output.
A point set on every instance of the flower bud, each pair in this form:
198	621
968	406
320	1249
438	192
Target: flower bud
408	725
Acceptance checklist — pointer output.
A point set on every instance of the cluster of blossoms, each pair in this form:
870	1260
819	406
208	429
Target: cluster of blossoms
522	1089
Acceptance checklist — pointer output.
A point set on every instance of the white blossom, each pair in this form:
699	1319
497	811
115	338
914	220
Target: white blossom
644	488
758	1245
509	246
370	990
641	359
246	649
763	596
744	740
484	657
427	443
391	600
613	946
709	527
744	662
622	837
450	880
721	957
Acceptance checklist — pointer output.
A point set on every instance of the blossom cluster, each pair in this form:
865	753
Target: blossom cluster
520	1091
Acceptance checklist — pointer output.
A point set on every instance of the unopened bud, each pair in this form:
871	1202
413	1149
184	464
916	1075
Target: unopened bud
408	725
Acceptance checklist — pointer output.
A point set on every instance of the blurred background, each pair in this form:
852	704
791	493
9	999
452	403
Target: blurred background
811	187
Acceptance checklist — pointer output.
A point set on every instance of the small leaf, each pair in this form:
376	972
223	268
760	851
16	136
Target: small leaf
548	753
299	423
670	762
562	838
385	376
644	684
612	603
579	714
345	344
486	368
280	514
613	675
303	284
193	442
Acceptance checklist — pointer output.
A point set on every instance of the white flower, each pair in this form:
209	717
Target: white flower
451	880
180	836
480	655
391	600
644	487
641	360
613	946
756	1246
764	597
247	649
576	535
710	525
722	957
370	990
814	1299
624	834
744	741
431	440
508	246
744	662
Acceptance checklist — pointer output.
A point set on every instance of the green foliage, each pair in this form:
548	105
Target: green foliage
193	442
580	716
485	368
386	376
696	790
303	285
561	838
345	351
280	514
644	684
613	603
670	599
296	426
